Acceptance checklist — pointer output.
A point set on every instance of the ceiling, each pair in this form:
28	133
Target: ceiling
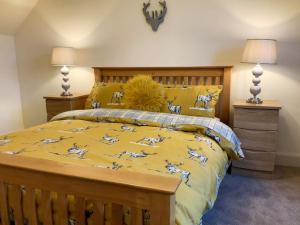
13	13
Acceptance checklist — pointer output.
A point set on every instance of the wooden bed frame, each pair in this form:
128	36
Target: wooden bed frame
102	186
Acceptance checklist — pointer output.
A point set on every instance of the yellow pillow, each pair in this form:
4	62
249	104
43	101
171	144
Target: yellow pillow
192	100
106	95
143	93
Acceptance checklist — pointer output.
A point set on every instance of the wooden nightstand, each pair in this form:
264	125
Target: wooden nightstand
257	128
56	105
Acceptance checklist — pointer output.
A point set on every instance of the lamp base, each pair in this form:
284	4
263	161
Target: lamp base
255	89
66	94
254	101
65	85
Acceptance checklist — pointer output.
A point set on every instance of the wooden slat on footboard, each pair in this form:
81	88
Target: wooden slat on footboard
17	204
136	216
4	203
80	210
46	208
31	206
63	208
98	213
122	188
117	212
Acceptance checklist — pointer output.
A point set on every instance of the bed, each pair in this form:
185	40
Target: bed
73	170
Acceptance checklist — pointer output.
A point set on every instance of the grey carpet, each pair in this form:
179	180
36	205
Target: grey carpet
250	201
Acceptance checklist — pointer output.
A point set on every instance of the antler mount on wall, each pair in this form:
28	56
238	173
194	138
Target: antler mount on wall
155	19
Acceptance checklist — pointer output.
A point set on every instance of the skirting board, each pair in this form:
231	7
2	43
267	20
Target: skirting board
287	159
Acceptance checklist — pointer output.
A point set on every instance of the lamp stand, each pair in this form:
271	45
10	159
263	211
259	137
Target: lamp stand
255	90
65	84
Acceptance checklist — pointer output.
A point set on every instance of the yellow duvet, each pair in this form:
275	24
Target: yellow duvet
195	149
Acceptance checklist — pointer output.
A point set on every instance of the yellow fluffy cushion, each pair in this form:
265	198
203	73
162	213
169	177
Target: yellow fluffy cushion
143	93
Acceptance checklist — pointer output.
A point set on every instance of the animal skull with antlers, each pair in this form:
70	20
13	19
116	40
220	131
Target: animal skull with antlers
156	18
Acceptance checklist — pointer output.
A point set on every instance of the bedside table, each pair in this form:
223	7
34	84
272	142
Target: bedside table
56	105
257	128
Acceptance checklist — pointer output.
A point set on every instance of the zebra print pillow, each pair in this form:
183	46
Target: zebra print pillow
192	100
106	95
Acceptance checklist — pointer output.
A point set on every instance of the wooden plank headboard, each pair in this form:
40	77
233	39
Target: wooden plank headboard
208	75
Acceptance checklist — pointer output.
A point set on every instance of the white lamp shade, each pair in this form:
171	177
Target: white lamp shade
63	56
262	51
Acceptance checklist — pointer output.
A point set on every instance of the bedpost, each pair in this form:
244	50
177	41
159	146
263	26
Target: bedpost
98	74
162	209
225	107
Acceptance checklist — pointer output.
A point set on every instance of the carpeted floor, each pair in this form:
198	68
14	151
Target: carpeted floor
250	201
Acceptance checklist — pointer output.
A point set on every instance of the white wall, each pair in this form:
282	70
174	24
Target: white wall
10	107
195	33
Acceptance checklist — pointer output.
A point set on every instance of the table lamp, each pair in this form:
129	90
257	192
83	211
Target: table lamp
259	51
64	57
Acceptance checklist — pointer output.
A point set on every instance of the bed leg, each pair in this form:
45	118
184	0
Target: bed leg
162	210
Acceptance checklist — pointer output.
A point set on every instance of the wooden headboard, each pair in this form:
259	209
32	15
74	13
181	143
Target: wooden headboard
208	75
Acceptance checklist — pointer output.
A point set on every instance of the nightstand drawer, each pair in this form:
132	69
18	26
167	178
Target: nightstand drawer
55	107
254	165
263	119
257	140
260	156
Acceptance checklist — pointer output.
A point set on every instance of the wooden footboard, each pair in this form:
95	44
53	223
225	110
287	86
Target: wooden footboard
19	175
